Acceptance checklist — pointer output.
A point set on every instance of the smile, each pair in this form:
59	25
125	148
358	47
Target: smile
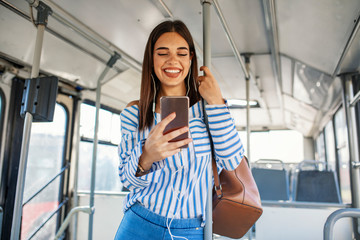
172	70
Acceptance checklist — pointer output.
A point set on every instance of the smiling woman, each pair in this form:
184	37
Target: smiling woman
171	63
296	63
168	187
152	71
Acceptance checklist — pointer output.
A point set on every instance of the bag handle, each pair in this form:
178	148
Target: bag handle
217	187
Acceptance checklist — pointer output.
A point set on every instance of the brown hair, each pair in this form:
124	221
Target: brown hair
147	87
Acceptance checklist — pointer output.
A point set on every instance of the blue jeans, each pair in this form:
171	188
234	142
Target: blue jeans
141	223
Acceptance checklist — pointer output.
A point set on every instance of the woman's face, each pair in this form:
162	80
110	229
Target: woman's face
172	62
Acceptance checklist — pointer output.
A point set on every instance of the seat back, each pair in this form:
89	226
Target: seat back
273	184
317	186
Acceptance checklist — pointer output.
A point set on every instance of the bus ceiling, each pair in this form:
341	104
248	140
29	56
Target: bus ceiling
296	50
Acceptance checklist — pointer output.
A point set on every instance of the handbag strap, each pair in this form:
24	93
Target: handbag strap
217	186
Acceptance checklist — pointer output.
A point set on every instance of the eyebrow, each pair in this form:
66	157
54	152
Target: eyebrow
165	48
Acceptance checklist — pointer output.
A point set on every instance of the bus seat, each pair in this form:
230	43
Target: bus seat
273	184
317	186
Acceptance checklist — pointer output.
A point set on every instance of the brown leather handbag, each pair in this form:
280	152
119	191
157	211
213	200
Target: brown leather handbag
236	201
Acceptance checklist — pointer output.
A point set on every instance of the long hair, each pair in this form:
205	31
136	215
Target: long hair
147	89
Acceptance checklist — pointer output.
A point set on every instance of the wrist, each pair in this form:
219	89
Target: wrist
141	171
144	161
219	101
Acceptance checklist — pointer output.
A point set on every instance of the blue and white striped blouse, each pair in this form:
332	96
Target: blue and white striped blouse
176	187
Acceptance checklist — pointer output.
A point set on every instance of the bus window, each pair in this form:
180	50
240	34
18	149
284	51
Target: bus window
42	182
330	146
107	178
342	150
320	148
285	145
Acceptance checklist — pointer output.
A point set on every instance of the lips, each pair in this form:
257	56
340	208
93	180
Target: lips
172	72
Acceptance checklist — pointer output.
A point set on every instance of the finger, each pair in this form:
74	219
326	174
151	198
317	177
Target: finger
174	147
170	153
175	133
206	71
163	123
180	143
199	80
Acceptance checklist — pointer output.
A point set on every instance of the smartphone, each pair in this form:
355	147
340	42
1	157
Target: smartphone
179	105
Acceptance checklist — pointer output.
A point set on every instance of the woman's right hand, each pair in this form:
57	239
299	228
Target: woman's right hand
157	145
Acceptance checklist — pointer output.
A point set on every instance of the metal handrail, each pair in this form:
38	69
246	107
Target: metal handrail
206	10
230	38
90	34
311	162
355	99
48	219
270	161
20	184
331	220
47	184
85	209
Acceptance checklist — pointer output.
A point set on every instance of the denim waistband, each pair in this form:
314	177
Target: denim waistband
160	220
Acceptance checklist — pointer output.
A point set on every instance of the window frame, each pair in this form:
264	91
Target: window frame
100	141
59	175
2	115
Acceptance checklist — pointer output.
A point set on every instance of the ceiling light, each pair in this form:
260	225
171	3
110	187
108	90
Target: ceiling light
240	103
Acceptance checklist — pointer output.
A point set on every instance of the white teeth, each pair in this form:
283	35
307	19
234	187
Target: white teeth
172	71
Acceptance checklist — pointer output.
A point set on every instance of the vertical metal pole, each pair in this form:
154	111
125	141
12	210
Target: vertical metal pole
109	64
353	144
247	80
16	222
94	154
76	170
248	118
207	62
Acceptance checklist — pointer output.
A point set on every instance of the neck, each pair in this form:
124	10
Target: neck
169	91
172	91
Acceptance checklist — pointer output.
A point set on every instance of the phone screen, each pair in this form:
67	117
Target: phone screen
179	105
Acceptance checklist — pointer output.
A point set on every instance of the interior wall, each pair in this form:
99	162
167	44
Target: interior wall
107	216
309	150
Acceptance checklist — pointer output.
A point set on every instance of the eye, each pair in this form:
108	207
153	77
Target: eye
162	54
182	54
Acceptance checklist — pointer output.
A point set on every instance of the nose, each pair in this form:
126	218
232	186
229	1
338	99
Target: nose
173	58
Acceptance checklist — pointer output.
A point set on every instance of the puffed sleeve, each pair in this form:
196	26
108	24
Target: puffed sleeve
130	150
228	147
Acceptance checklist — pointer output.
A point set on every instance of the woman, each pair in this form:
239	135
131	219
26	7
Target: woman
168	187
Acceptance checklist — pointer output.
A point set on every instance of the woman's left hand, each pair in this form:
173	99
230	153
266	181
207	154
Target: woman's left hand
209	88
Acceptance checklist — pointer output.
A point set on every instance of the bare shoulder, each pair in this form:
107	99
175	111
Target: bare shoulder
132	103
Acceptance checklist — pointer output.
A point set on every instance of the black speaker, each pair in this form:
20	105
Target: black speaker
39	98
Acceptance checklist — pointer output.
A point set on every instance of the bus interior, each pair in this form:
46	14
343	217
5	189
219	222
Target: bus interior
289	70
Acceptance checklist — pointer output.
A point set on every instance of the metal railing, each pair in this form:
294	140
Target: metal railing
46	184
331	220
